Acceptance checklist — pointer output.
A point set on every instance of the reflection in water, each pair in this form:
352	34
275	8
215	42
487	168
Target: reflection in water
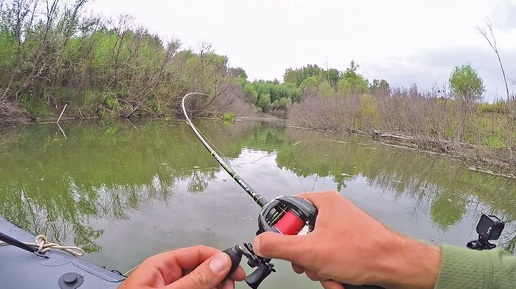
441	185
156	177
55	186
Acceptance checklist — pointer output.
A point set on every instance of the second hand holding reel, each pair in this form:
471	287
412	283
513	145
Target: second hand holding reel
285	215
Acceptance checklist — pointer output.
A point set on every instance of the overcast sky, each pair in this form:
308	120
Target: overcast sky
401	41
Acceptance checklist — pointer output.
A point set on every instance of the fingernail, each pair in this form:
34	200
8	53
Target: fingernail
219	262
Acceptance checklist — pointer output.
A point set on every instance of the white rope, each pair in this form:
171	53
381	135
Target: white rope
44	245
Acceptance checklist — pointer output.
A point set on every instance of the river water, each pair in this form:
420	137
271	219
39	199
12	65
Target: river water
124	191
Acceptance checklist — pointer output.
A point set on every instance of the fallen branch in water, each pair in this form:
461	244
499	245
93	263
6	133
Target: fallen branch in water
475	169
61	114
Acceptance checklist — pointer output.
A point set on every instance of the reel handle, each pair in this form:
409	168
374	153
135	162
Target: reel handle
288	215
236	256
254	279
265	267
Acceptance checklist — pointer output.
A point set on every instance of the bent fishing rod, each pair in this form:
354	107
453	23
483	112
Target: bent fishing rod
247	188
286	215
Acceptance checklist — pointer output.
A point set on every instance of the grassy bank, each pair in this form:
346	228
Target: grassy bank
417	120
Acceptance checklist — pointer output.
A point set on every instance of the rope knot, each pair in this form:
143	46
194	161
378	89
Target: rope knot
44	245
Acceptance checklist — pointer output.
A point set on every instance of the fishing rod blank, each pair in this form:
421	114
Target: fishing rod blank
247	188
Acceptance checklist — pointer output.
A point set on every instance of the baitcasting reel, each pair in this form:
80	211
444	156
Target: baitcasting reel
285	215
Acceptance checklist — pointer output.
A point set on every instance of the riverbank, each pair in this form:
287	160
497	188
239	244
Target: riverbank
483	136
477	158
481	159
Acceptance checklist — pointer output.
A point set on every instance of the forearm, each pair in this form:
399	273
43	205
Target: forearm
408	263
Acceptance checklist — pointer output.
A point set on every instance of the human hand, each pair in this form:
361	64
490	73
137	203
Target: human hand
349	246
198	267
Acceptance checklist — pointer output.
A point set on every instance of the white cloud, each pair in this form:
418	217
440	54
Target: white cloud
389	39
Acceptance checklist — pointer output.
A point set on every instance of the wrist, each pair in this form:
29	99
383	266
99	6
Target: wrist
408	263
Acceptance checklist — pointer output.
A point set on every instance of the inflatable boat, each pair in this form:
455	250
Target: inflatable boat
55	269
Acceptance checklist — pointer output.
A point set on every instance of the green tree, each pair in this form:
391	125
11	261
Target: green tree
466	89
352	82
380	86
333	76
250	92
264	102
238	72
298	75
271	94
466	86
316	86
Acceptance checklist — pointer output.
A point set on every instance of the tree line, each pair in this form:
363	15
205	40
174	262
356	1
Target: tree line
454	121
54	55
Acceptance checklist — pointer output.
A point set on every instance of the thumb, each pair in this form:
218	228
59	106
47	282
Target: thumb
274	245
207	275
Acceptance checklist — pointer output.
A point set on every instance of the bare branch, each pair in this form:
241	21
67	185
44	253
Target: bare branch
491	40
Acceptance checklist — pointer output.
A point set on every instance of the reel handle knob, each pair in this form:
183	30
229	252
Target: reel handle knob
236	256
265	268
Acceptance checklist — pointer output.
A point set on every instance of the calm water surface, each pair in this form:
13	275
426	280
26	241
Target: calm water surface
125	191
